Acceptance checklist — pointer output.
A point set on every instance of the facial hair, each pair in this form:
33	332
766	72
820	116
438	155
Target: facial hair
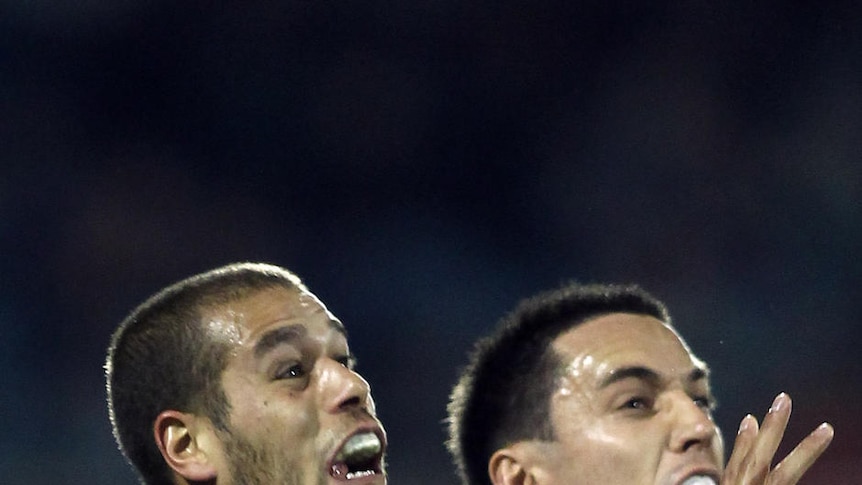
252	463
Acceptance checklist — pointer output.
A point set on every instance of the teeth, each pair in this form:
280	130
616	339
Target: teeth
352	475
360	447
699	480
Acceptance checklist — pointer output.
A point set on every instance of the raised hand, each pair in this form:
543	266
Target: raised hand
751	461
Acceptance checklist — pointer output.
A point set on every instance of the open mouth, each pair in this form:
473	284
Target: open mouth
359	457
700	480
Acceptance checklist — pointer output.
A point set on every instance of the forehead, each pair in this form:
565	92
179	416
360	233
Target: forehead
244	320
618	340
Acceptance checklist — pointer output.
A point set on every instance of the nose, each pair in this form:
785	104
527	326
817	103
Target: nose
692	426
342	389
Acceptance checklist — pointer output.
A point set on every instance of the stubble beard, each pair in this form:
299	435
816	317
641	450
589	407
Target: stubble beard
257	464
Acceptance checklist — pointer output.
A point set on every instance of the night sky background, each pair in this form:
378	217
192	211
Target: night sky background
423	165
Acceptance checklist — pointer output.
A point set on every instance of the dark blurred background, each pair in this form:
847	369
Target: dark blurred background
423	165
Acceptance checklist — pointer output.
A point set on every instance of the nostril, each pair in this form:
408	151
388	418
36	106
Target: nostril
689	444
700	435
350	402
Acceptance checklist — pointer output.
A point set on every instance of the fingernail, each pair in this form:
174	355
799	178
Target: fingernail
825	429
779	403
745	424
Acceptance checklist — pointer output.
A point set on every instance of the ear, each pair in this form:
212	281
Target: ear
182	439
511	466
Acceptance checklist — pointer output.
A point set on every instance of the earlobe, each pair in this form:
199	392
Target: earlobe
178	438
507	468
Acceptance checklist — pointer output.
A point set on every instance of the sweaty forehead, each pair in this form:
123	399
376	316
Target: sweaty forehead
617	340
244	319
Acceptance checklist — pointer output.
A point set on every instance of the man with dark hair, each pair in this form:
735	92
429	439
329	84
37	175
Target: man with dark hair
240	375
590	384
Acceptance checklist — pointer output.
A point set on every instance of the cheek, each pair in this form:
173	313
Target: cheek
620	443
616	447
584	433
610	448
275	418
602	455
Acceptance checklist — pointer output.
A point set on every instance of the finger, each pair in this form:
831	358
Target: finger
742	457
771	432
798	461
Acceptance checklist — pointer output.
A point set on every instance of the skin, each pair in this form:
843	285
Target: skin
293	394
633	406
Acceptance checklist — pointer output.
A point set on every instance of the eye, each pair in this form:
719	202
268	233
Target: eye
347	361
292	371
638	403
705	402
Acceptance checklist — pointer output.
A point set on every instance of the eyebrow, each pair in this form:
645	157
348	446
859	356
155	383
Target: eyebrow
648	375
287	335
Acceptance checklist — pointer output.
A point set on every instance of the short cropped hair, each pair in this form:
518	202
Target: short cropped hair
503	395
161	357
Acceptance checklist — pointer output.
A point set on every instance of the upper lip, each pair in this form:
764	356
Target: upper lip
370	427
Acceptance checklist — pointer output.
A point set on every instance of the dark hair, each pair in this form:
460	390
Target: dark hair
503	395
162	357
